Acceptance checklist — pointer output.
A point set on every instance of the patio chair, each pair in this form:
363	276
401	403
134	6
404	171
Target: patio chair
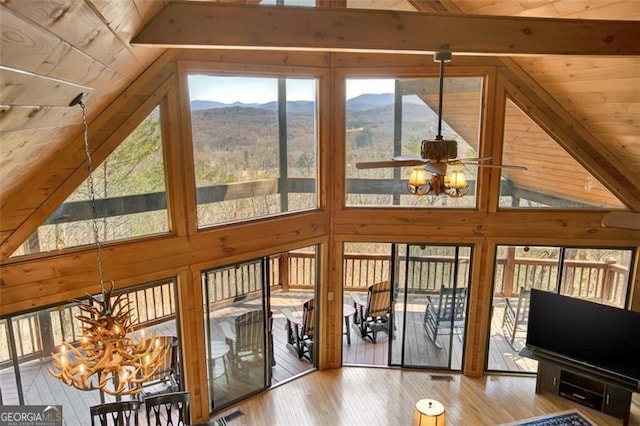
168	409
445	313
373	314
516	317
245	338
300	331
121	413
167	377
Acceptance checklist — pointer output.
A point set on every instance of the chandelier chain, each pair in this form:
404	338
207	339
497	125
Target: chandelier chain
92	194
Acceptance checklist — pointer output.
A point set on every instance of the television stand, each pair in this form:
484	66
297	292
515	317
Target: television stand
583	384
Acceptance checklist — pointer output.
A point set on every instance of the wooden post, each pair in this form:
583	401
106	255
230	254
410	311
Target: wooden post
46	334
509	270
608	280
283	265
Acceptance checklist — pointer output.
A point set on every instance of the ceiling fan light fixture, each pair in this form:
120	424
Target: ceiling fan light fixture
457	179
417	183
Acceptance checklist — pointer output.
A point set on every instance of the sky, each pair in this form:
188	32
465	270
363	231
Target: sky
261	90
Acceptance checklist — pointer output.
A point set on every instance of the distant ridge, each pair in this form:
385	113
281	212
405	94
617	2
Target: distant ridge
359	103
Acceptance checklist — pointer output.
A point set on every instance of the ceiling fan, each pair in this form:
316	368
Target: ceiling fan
622	220
435	157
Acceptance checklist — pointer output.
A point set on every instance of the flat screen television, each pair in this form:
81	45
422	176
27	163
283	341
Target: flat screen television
599	336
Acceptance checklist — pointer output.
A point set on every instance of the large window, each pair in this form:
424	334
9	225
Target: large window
255	144
594	274
386	118
130	197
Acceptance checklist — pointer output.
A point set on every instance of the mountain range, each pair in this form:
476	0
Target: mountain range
359	103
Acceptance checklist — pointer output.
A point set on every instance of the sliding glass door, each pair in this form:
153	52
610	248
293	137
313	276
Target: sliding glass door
430	305
259	323
405	304
236	332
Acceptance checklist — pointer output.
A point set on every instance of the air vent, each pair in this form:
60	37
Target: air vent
224	420
442	378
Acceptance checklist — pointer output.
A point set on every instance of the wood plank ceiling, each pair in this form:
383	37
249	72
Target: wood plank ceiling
51	50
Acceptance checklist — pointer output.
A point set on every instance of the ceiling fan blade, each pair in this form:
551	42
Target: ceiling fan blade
622	220
391	163
500	166
472	159
408	158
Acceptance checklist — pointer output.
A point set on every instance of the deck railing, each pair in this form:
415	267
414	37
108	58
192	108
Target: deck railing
599	280
37	334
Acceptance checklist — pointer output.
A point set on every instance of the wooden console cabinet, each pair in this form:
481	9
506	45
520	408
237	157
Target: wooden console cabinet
584	385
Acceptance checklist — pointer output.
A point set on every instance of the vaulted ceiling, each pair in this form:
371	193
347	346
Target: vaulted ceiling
51	50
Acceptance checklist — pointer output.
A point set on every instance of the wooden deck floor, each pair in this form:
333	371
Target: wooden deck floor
41	388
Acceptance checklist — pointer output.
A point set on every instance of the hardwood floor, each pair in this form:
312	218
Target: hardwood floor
384	396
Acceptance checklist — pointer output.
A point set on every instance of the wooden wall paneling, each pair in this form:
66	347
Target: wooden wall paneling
282	231
559	69
24	46
148	9
44	90
570	134
579	227
12	147
190	24
123	18
331	3
199	58
29	48
193	343
30	118
385	60
34	209
58	279
78	24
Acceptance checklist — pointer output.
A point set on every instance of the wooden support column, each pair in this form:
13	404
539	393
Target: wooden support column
194	364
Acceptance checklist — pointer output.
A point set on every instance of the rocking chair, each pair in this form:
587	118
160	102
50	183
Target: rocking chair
515	319
373	314
245	339
445	313
300	331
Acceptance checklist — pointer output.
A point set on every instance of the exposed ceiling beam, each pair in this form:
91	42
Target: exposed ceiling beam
217	25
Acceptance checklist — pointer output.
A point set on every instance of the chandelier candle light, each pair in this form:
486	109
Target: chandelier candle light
108	357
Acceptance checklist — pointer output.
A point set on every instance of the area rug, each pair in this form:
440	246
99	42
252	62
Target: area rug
564	418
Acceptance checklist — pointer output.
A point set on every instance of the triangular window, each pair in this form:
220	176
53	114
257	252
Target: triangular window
553	179
130	197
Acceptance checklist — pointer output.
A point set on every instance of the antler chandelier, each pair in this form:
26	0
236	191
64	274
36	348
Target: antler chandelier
107	356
